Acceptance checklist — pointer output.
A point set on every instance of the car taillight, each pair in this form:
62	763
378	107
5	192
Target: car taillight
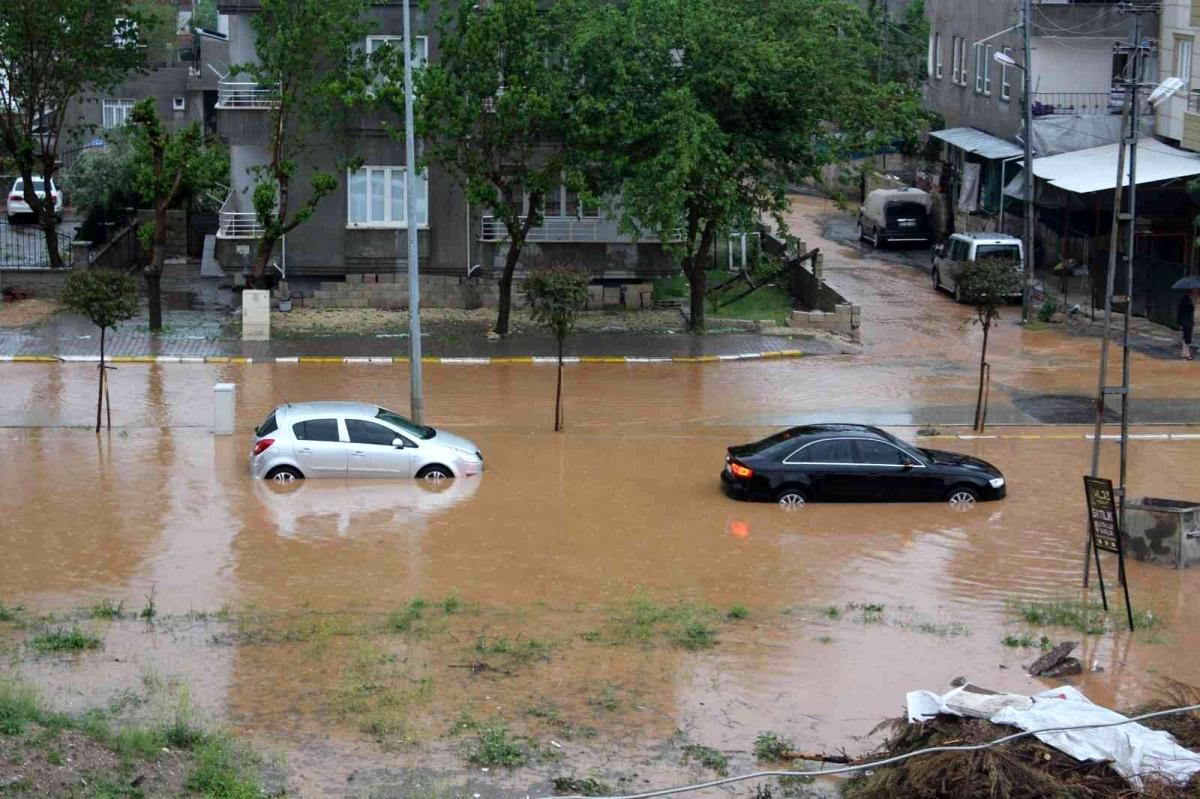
262	445
740	471
15	198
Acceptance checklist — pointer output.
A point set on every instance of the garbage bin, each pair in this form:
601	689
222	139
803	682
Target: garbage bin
1163	531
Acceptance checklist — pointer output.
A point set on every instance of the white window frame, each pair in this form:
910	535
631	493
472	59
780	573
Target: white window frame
585	211
1183	67
987	70
393	218
116	106
955	62
937	55
979	68
1005	83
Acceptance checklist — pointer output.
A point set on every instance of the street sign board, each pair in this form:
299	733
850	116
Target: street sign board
1104	528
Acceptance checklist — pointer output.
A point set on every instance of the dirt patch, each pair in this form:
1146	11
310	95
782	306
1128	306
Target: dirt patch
43	762
22	313
306	322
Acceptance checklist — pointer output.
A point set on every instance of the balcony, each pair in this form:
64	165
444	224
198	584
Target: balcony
1077	103
554	228
241	95
233	224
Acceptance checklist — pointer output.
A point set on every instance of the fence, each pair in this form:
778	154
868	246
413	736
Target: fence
24	247
1077	103
1153	296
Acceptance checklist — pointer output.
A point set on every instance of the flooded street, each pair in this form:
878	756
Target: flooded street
561	591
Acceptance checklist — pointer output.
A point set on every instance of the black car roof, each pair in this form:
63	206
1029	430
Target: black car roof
807	431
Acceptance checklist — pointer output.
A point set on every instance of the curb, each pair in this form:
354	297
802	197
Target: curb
1064	437
387	361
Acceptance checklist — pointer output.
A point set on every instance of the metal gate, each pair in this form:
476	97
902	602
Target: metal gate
24	246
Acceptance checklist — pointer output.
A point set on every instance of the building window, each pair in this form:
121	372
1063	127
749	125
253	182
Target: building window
937	55
955	62
1005	84
960	60
987	70
562	203
115	113
1183	60
980	68
420	52
375	198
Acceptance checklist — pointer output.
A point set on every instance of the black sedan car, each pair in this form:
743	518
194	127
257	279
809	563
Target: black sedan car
854	463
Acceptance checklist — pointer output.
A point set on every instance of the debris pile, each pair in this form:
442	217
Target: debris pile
1029	768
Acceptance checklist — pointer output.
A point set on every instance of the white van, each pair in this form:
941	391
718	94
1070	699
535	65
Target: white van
962	250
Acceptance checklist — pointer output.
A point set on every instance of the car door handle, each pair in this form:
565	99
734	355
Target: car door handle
306	450
358	453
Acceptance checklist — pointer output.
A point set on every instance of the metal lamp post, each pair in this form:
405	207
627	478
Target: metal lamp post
416	387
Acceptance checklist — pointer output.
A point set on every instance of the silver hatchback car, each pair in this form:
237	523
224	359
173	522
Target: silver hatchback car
353	439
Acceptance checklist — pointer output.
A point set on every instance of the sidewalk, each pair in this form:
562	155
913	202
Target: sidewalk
199	337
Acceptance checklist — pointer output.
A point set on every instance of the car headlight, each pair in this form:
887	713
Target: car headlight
996	482
467	455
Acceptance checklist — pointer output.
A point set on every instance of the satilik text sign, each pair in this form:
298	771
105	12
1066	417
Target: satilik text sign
1104	527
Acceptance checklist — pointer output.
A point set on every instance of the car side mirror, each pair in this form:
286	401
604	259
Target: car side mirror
398	443
909	462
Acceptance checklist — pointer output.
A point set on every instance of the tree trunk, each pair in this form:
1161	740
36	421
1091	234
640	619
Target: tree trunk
506	279
258	279
697	281
980	414
154	269
558	392
50	228
100	387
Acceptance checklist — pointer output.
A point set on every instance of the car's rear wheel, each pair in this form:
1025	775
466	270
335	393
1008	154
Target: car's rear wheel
862	234
435	473
958	296
937	280
285	474
791	499
963	498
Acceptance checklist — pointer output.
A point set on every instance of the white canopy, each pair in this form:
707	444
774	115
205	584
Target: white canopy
1095	169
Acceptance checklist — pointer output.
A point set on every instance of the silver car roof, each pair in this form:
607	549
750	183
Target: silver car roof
306	410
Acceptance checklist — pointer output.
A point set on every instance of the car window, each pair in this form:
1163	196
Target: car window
958	250
1005	252
879	454
316	430
410	427
19	186
833	450
369	433
268	426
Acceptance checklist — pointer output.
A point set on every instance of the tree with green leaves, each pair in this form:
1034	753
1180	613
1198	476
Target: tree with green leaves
714	108
107	298
50	52
169	166
309	56
987	286
204	15
495	111
556	296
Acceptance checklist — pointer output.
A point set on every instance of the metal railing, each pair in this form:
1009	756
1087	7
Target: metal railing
24	247
246	95
1193	101
562	229
237	224
1077	103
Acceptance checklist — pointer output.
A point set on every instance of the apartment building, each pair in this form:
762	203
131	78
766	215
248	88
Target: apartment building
362	228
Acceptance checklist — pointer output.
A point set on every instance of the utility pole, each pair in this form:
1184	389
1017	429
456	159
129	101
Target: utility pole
416	385
1027	219
1130	117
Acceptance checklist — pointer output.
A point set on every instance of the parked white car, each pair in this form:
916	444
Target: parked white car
962	250
354	439
16	199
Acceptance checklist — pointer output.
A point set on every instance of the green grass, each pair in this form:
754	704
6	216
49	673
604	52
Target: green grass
1087	617
737	613
642	620
409	618
1025	641
768	303
772	746
105	608
18	707
606	699
708	757
494	747
519	650
868	612
223	771
63	640
10	612
581	786
832	612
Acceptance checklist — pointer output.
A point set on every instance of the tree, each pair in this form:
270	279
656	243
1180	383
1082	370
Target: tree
50	51
717	107
204	15
306	76
987	286
168	166
107	298
556	296
495	111
103	179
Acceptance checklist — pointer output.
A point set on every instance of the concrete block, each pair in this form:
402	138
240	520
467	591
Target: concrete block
354	278
387	277
256	315
612	296
224	397
371	277
646	299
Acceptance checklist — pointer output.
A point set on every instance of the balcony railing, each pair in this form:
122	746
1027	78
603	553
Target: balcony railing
553	228
243	95
1077	103
1193	100
237	224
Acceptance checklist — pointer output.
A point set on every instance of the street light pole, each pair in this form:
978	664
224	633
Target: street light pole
1027	237
416	386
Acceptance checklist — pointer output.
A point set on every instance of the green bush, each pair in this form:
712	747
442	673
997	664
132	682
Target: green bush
1048	309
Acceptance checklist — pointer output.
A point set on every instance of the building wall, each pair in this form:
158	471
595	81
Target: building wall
1175	22
1074	65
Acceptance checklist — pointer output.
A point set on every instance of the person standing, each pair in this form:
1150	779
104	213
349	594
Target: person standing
1186	318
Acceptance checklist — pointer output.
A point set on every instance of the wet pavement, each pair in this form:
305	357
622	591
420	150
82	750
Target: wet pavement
286	612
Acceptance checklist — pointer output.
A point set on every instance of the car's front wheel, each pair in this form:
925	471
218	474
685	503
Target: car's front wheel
435	473
791	499
285	474
963	498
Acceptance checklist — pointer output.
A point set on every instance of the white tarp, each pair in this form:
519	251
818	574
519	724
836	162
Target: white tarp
1133	750
1095	169
968	195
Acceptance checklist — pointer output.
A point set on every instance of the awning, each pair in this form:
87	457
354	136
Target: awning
973	140
1095	169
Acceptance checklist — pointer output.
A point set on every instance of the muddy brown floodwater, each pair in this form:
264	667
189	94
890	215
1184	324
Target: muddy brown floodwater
551	546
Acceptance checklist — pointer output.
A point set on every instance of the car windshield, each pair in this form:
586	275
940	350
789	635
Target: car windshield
19	186
1004	252
408	426
268	426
